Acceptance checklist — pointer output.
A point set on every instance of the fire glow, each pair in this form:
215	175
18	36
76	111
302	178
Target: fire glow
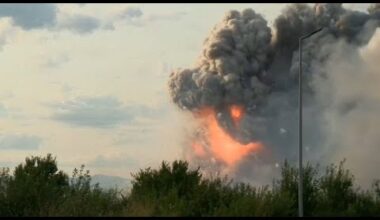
236	113
220	144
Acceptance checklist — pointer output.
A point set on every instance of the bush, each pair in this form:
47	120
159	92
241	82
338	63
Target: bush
287	187
4	182
164	191
37	188
82	198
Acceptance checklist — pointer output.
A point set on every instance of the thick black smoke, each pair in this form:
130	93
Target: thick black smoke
245	62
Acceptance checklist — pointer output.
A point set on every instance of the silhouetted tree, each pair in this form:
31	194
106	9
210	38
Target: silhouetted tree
35	186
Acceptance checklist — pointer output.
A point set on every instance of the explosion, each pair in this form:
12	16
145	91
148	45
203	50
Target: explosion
243	89
236	113
219	143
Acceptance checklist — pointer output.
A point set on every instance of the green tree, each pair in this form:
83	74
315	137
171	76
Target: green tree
337	191
82	198
35	187
165	191
4	182
286	190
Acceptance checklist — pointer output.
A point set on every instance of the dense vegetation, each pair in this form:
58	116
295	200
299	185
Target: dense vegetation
38	188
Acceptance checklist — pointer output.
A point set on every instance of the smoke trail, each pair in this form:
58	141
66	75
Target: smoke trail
244	62
350	99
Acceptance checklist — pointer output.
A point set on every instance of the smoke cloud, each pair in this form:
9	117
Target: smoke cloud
245	62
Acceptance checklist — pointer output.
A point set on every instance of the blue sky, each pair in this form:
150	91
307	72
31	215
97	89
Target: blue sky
88	82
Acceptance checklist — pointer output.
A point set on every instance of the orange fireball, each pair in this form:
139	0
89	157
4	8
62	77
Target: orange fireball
236	113
221	145
199	150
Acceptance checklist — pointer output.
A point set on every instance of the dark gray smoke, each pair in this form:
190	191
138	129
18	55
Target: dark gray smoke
245	62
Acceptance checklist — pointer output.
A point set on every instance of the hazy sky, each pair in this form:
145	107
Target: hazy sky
87	82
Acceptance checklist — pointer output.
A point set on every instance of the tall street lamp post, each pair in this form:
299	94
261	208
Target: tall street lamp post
300	182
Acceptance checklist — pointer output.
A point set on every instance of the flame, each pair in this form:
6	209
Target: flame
221	145
236	113
199	150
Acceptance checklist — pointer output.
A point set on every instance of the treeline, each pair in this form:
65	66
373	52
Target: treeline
38	188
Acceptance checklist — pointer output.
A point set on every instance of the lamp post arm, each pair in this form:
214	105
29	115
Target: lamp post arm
310	34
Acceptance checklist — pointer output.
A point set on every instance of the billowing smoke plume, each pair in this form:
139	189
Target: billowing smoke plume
247	63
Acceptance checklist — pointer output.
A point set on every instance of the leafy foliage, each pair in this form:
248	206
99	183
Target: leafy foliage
35	187
38	188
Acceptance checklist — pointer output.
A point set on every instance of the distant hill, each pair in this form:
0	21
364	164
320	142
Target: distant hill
108	182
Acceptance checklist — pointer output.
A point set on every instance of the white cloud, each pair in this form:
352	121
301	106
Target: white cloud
114	162
77	23
100	112
6	32
135	16
30	16
130	13
19	142
47	16
3	111
172	16
57	60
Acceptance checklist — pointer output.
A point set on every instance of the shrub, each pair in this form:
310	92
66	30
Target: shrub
37	188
